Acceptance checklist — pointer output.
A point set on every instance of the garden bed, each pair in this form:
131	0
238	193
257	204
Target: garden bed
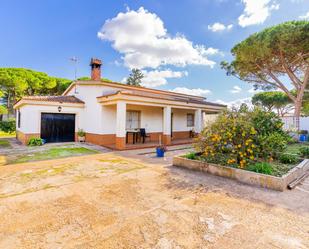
279	183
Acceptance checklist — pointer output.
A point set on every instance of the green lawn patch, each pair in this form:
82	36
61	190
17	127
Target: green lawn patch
4	144
53	153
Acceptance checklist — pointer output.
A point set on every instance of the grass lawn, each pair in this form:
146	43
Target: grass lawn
4	134
4	144
52	153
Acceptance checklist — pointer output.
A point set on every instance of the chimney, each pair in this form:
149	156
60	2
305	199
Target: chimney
95	69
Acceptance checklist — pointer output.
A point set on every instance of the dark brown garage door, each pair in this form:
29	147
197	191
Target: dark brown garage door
56	127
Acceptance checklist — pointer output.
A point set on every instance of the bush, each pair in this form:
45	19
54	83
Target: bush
304	152
35	141
81	133
261	167
8	126
266	123
288	158
191	156
243	137
272	144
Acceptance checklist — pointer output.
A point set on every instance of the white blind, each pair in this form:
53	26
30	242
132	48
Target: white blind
133	120
190	120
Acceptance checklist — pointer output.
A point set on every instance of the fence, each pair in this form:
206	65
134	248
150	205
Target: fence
290	123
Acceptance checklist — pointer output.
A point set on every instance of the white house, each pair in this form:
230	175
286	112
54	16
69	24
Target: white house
112	114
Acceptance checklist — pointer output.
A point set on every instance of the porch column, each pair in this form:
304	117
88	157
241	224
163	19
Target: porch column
121	125
167	115
198	121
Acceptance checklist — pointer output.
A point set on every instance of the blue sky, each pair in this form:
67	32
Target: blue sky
175	43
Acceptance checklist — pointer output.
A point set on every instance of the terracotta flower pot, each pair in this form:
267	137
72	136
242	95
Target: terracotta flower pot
81	139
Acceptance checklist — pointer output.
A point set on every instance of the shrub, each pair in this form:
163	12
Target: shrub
243	137
288	158
8	126
272	144
35	141
261	167
304	152
81	133
231	134
266	123
303	132
191	155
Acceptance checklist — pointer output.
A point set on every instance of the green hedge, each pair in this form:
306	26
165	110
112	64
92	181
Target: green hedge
8	126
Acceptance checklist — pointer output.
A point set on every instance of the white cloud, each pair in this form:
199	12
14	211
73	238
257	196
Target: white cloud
192	91
144	42
256	11
306	16
235	103
158	78
252	90
213	51
217	27
236	89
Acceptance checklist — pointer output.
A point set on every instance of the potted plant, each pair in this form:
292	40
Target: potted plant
303	135
81	134
160	150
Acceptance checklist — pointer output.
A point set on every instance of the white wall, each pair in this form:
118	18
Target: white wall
180	119
151	117
31	117
98	119
102	119
209	118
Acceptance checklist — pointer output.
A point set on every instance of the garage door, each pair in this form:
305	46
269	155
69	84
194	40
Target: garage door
56	127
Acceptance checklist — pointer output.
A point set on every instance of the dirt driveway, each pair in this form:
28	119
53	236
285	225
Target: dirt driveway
112	201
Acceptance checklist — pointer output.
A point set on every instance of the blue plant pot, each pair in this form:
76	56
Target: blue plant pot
303	138
160	152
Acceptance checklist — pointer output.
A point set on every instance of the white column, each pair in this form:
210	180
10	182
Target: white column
198	121
121	119
167	114
203	120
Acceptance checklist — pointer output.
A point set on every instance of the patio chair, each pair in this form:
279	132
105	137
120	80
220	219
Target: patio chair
143	134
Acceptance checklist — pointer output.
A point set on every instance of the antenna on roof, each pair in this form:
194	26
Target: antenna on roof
74	60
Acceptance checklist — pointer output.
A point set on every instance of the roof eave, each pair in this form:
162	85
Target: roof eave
23	102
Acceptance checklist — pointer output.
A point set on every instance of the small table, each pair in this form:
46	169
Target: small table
134	134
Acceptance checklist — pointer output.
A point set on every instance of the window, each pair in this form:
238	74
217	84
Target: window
133	120
190	119
18	118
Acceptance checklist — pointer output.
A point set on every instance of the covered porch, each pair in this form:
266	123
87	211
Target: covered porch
149	123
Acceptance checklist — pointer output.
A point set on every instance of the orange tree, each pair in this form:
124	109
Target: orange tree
238	138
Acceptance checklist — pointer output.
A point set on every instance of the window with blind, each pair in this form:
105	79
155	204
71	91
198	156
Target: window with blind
133	120
190	119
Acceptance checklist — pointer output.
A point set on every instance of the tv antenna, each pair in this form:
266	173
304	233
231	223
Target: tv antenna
74	60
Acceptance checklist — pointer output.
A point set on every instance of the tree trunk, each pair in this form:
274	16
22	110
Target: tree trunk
8	103
297	112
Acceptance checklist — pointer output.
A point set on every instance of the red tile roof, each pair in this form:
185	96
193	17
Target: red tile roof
184	98
61	99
